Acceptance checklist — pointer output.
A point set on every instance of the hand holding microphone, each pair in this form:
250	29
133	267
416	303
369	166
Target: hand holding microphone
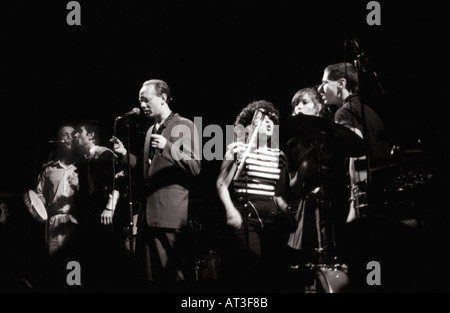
158	141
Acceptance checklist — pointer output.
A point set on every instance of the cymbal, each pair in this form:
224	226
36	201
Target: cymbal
336	138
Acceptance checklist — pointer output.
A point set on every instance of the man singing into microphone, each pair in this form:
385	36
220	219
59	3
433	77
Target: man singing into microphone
57	188
168	169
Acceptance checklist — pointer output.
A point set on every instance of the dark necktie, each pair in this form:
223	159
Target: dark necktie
158	132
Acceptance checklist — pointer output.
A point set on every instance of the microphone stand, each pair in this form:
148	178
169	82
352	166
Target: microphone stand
247	151
360	70
129	186
130	197
363	121
319	210
237	174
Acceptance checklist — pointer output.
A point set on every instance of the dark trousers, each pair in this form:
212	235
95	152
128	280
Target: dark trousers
99	255
258	247
159	253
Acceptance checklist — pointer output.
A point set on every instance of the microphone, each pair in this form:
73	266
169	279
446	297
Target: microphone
356	47
258	116
135	111
57	141
365	64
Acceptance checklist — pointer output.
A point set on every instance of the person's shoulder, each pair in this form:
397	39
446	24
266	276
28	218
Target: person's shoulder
342	113
181	120
102	151
48	165
185	120
275	151
281	153
292	143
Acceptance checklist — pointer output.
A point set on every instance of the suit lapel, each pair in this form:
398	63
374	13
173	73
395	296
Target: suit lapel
147	151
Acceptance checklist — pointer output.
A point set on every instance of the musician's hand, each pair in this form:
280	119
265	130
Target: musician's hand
118	146
57	219
73	181
234	218
72	219
107	217
158	141
352	213
236	147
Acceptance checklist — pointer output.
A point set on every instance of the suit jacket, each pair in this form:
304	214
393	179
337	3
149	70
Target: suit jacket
167	179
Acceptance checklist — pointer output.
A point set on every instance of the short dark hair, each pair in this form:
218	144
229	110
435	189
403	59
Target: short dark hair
344	70
92	126
160	87
246	116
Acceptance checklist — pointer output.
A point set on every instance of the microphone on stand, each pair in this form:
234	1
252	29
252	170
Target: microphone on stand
135	111
258	116
257	119
365	64
57	141
356	47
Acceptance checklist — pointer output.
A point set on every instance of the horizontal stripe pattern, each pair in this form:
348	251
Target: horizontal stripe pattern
260	173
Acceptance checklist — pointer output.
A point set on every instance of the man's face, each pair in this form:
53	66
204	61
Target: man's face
83	138
329	91
66	133
151	103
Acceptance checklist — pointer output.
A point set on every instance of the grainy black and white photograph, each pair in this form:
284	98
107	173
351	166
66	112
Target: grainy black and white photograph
207	148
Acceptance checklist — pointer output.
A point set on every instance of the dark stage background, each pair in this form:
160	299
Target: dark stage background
216	56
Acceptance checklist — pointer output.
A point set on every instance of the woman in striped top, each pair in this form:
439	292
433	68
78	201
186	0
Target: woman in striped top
251	186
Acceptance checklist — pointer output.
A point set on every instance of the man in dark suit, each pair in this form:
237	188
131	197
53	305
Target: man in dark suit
171	159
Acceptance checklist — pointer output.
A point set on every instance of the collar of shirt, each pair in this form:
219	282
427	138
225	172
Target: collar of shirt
160	127
91	152
59	164
350	97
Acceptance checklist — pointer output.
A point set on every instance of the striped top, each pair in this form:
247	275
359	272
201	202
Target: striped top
260	174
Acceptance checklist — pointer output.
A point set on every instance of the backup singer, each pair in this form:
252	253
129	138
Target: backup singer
255	204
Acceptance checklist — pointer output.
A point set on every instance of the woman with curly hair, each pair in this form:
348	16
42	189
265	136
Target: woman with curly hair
251	187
